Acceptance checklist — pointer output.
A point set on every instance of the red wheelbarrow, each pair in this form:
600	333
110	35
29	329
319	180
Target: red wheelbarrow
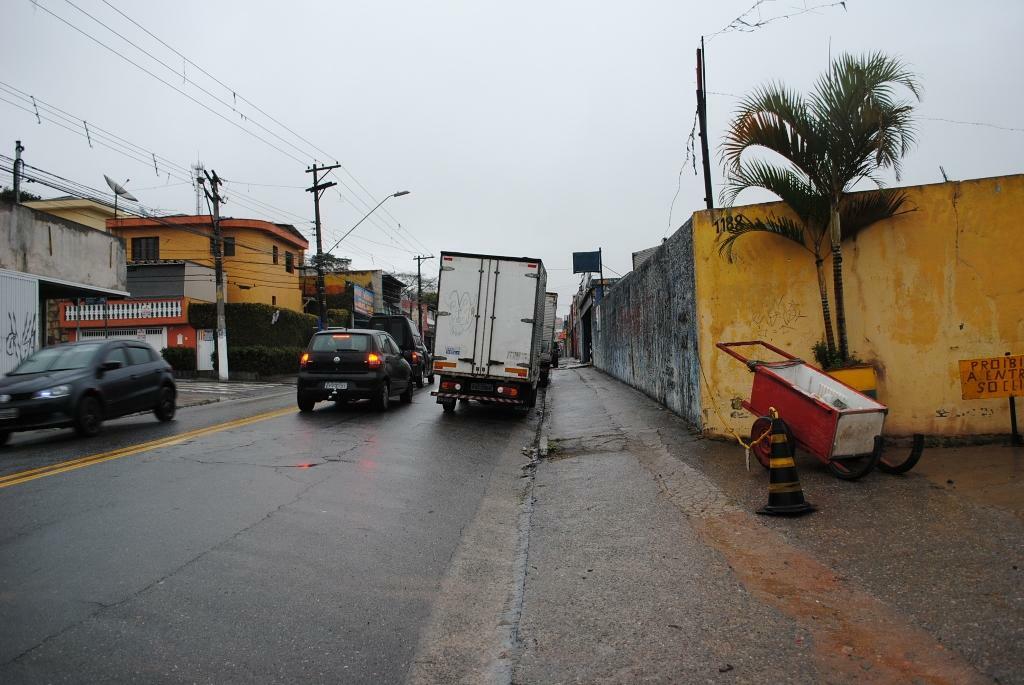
827	418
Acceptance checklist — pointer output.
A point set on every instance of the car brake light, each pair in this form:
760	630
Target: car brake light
415	356
373	360
304	359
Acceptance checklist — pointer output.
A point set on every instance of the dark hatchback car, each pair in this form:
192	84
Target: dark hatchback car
403	330
353	364
83	384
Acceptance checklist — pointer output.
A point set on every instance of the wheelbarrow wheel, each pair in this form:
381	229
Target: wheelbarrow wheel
888	465
852	468
763	449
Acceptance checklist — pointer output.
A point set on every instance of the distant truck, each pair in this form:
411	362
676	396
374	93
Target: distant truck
548	353
490	323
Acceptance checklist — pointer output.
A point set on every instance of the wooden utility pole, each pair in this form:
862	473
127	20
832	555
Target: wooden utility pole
419	287
318	189
702	120
220	341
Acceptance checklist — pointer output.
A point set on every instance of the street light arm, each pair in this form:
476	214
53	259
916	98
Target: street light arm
400	193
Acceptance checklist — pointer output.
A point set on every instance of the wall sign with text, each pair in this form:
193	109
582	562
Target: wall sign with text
982	379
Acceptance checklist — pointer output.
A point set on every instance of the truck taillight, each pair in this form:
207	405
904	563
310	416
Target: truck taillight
304	359
450	385
508	391
373	360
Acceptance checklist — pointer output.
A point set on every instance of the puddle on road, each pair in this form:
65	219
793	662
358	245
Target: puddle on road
991	475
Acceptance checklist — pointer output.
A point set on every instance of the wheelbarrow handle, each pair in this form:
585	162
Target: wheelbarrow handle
725	347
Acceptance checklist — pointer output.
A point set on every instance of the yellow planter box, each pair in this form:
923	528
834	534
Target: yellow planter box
861	378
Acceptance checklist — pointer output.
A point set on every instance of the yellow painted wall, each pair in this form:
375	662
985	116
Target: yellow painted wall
923	290
251	274
87	212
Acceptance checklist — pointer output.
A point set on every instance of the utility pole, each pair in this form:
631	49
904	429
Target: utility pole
19	166
419	287
221	340
702	119
318	189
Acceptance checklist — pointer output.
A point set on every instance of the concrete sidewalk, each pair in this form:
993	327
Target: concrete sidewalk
646	563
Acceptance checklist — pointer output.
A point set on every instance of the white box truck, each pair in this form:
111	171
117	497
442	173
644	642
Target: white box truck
547	344
490	320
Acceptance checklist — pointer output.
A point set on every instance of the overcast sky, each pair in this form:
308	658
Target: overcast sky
527	128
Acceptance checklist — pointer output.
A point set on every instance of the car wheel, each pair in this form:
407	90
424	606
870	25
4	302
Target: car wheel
419	378
4	437
383	398
448	406
406	396
88	416
305	404
165	405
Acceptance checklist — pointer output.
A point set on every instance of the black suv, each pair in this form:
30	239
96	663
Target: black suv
403	330
82	384
351	364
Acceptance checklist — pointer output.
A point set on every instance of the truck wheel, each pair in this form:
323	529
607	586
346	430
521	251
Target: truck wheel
448	406
531	399
4	437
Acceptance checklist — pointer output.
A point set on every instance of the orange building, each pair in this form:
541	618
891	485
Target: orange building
261	259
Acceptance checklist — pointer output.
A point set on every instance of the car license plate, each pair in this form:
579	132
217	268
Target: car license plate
8	413
481	387
335	386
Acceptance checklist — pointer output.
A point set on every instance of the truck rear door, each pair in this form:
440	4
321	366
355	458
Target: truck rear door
486	310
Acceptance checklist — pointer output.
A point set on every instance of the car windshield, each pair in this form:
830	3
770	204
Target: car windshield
341	342
59	358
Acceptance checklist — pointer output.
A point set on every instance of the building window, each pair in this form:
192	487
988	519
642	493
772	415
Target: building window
145	249
289	262
275	254
273	300
228	245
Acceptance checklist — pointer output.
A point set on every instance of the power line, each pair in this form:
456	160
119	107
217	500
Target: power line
974	123
167	83
236	96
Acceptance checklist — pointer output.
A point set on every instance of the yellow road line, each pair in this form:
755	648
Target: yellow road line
64	466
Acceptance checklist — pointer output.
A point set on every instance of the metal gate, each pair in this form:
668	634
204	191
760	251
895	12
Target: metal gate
156	337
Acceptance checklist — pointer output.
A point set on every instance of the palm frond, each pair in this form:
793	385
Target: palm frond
774	118
861	210
783	227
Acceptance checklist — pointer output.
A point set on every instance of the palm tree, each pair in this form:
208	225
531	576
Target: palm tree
849	129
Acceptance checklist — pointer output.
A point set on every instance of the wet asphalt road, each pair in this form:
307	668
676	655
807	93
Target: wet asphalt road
297	548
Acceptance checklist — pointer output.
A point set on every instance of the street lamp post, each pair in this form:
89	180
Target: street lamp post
400	193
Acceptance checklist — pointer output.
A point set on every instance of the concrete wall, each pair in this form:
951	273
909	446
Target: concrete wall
45	245
172	280
923	290
645	327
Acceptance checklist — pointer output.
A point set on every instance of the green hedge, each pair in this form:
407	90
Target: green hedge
180	358
266	361
251	325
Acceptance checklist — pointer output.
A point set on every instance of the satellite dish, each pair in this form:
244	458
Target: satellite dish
119	189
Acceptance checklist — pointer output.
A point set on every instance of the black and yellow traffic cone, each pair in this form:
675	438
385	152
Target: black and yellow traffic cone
785	496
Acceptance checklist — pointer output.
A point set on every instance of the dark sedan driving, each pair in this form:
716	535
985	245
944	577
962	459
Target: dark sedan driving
83	384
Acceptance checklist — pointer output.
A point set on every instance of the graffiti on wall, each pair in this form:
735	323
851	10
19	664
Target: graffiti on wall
462	312
781	316
20	341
